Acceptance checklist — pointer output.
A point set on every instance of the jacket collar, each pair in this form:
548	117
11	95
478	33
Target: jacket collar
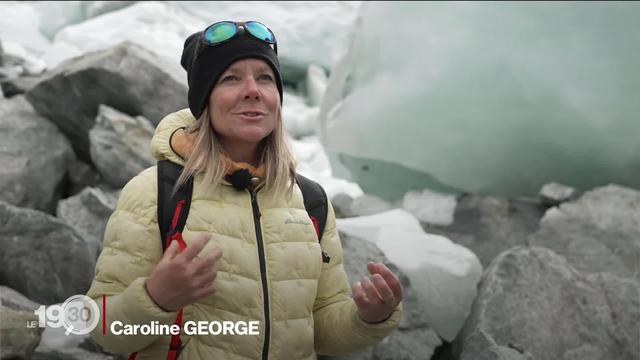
182	144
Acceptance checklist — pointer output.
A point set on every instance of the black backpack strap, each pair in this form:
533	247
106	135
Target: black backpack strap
168	174
315	201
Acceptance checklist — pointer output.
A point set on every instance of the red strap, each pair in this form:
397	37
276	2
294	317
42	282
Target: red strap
315	225
177	237
174	346
176	213
174	222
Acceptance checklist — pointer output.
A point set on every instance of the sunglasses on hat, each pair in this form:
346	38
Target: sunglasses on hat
224	31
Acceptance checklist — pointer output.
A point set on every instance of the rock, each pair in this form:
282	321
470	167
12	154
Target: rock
533	300
13	300
369	205
416	344
553	194
412	344
42	257
413	335
69	354
443	352
81	175
35	157
489	225
89	212
341	205
18	85
598	232
18	340
119	145
346	207
126	77
481	346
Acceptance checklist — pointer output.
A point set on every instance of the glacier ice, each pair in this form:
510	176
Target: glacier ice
430	207
495	97
314	164
314	32
316	84
19	24
153	25
307	31
299	118
443	274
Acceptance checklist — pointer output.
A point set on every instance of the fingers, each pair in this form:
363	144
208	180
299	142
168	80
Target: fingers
205	291
205	280
386	295
370	291
172	250
205	264
372	267
359	296
389	277
194	249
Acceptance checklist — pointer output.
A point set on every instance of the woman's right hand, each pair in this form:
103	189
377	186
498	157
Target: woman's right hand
178	281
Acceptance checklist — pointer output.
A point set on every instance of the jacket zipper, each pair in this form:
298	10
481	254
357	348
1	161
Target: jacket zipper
263	274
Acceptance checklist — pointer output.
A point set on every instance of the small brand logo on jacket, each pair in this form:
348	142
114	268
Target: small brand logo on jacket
296	221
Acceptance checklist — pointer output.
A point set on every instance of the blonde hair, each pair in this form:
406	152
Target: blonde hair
205	157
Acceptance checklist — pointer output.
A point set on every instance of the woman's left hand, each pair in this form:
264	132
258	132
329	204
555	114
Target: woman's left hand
378	296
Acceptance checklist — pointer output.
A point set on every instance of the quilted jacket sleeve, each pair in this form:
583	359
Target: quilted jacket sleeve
130	252
338	328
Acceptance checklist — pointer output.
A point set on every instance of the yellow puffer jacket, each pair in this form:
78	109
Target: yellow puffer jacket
309	305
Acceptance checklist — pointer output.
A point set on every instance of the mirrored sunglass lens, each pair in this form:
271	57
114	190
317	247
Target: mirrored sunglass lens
219	32
260	31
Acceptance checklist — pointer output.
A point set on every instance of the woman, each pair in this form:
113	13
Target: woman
251	255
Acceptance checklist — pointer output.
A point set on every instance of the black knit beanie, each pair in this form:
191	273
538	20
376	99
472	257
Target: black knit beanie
206	63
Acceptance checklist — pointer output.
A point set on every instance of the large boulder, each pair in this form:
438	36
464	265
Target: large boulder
18	340
81	175
42	257
414	344
598	232
13	300
488	225
119	145
126	77
34	154
89	212
532	300
480	346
